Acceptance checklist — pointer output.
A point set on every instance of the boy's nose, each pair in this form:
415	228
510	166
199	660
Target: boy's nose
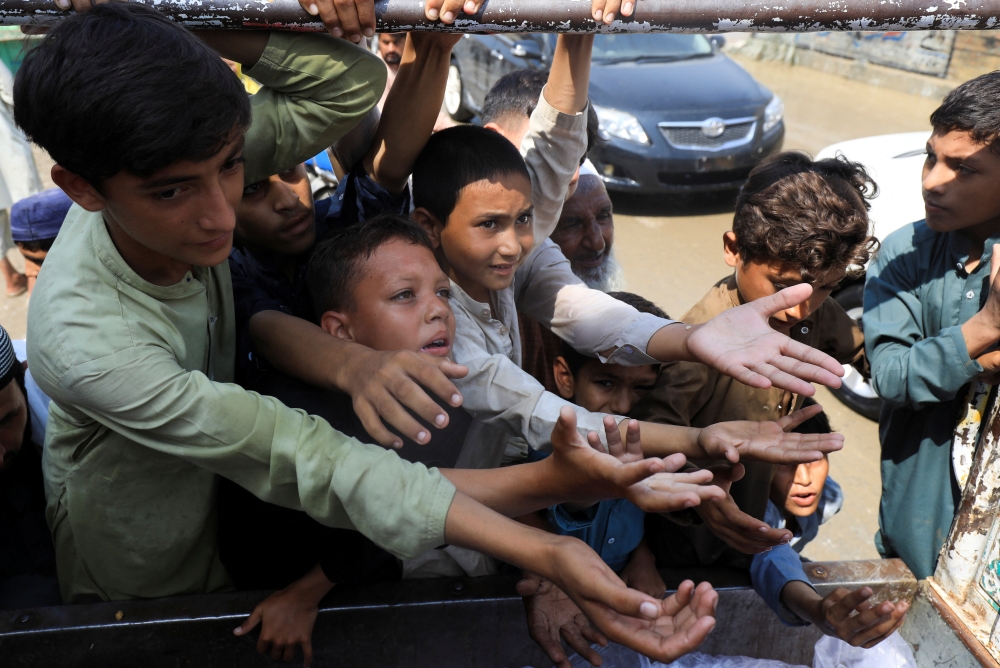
285	198
803	475
216	213
436	309
936	177
621	401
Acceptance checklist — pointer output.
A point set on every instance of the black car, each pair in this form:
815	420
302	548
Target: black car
676	113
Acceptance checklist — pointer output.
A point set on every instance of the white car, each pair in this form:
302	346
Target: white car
895	163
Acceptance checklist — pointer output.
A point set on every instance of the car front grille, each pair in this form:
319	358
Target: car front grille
689	136
721	177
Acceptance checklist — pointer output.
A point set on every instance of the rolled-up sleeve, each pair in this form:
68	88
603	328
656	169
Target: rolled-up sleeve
590	321
316	88
281	455
770	571
501	394
909	368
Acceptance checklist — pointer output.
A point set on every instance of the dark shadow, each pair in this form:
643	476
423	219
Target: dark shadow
679	204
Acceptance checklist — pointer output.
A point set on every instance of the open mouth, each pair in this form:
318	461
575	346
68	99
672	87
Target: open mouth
804	500
593	261
438	347
502	269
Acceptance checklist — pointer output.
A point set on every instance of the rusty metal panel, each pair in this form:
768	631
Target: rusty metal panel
574	15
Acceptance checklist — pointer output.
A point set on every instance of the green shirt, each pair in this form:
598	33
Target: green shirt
917	296
143	412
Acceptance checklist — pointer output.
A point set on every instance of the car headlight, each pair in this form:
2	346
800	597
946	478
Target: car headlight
773	113
614	123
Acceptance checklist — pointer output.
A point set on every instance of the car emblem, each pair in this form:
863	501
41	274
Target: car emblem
713	127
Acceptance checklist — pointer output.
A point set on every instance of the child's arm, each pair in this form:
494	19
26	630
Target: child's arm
641	573
662	630
779	579
382	385
557	131
908	366
738	342
411	109
287	617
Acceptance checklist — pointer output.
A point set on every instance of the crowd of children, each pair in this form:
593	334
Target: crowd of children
425	375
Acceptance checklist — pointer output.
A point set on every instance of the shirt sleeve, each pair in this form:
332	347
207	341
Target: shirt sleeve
315	89
359	198
499	393
907	367
770	571
552	149
282	456
590	321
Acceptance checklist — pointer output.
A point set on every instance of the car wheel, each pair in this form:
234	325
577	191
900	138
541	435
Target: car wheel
454	96
856	391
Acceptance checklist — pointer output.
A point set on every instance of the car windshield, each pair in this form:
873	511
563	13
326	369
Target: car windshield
660	46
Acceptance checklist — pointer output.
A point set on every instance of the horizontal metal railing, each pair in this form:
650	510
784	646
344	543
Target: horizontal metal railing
574	15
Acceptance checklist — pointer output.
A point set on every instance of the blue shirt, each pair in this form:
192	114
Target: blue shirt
613	529
771	571
917	296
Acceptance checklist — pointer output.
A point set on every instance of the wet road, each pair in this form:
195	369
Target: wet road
672	254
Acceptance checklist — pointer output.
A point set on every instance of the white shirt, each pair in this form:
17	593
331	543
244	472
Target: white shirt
38	401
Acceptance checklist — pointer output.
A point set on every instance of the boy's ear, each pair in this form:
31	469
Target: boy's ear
430	224
78	189
565	382
337	324
730	249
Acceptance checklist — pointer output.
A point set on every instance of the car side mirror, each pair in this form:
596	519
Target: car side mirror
718	41
527	48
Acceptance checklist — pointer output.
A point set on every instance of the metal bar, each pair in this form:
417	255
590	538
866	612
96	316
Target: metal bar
574	15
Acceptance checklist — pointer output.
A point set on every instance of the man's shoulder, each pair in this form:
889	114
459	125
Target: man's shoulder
914	236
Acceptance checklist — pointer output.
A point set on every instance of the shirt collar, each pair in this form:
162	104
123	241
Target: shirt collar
478	309
193	281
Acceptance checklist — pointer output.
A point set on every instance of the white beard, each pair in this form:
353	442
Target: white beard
608	277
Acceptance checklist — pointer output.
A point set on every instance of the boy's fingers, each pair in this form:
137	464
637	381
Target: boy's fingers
249	623
574	638
673	463
595	442
288	652
848	601
610	10
809	364
307	653
327	13
432	9
347	14
793	420
366	17
370	420
616	448
450	10
633	438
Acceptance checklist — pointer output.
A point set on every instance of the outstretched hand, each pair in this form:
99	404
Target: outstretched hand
740	343
849	616
663	630
772	442
553	615
590	475
733	526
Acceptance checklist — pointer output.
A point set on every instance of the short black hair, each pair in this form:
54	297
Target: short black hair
514	96
123	88
456	157
575	359
335	268
817	424
972	108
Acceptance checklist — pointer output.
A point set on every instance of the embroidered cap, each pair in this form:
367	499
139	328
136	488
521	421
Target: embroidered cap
8	361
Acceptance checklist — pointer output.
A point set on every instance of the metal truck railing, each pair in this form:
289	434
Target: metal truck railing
574	15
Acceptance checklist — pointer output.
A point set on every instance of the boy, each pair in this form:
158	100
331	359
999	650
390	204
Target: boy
473	196
931	321
377	284
613	528
796	222
802	498
34	224
132	334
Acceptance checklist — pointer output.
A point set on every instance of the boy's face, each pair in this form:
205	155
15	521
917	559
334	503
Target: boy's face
798	487
179	216
960	185
276	214
400	303
488	234
604	388
756	279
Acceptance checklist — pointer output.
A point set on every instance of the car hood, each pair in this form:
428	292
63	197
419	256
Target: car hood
683	88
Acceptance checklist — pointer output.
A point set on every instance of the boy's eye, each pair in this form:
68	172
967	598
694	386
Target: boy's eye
606	384
525	219
168	194
488	224
779	286
403	295
230	165
253	188
444	293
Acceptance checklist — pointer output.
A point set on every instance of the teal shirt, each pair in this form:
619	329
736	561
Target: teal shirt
917	296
